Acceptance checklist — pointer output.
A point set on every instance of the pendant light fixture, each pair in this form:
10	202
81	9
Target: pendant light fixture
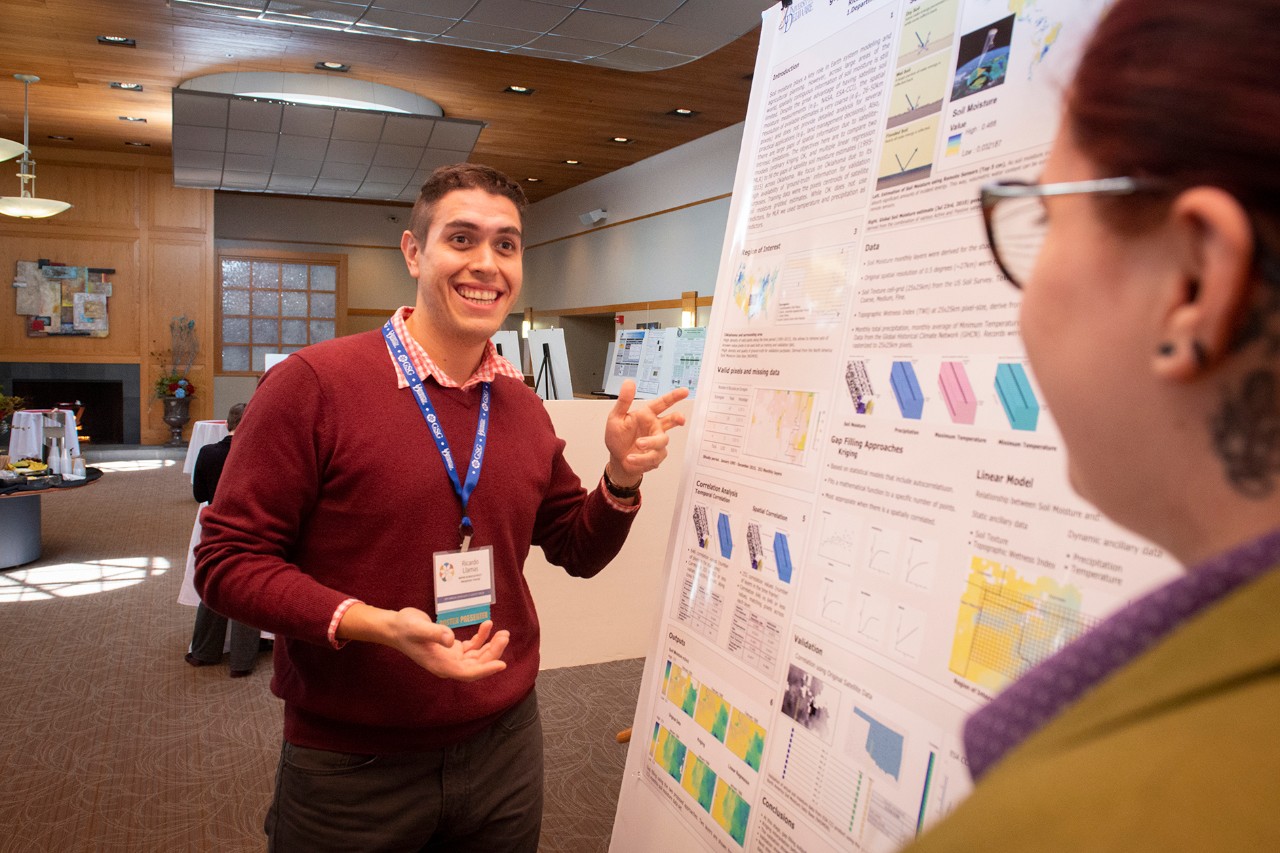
26	205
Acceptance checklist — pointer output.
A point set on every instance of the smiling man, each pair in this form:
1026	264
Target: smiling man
375	514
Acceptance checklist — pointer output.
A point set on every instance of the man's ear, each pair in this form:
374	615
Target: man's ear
410	249
1214	245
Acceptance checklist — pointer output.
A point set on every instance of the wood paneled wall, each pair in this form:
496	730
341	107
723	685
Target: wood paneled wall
127	215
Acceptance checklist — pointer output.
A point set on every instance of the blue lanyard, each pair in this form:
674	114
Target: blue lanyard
462	489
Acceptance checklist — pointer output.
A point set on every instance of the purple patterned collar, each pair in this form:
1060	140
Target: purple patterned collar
1048	688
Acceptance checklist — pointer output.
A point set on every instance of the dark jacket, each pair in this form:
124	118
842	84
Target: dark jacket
209	469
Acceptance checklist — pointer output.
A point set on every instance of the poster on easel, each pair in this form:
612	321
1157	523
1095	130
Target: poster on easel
508	344
874	533
625	364
549	364
659	360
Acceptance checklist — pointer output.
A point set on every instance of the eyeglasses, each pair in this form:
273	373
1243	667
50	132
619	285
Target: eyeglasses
1014	214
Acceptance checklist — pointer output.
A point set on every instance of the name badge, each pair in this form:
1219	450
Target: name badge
464	586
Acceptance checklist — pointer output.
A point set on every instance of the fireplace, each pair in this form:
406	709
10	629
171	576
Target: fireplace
110	394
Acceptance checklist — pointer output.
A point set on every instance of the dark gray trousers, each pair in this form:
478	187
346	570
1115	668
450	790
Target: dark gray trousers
484	794
210	635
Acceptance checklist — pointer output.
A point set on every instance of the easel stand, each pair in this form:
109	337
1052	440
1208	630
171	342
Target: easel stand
549	387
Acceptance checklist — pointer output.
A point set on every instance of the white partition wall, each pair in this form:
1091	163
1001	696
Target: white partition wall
608	617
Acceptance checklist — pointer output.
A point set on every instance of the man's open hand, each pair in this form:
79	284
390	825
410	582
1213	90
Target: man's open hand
637	438
434	647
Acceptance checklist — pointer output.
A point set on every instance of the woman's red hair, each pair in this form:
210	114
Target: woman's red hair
1185	90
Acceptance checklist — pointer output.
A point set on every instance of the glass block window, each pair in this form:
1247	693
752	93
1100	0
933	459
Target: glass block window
276	302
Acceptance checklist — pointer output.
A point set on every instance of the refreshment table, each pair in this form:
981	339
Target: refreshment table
20	516
26	438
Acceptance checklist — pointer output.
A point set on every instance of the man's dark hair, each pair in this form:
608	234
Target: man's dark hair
234	416
461	176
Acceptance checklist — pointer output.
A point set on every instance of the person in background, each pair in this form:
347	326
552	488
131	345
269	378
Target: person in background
374	474
210	633
1147	255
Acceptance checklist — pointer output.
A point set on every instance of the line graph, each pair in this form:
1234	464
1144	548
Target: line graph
870	621
837	538
835	595
882	547
919	562
908	631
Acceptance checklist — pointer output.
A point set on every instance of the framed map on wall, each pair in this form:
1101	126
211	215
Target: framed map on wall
62	300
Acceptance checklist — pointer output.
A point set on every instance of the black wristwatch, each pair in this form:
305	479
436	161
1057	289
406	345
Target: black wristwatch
618	491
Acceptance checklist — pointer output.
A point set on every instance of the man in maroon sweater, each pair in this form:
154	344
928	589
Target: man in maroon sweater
344	523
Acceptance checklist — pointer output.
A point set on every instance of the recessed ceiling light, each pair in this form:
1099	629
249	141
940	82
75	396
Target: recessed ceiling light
117	41
133	118
533	180
139	144
128	87
518	90
573	162
623	140
332	66
683	112
61	138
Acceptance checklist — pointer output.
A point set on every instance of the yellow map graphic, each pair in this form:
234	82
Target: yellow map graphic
668	752
779	427
754	291
712	713
731	811
1044	30
746	739
699	781
1007	623
682	691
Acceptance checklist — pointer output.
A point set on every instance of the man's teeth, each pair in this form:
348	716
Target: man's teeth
478	295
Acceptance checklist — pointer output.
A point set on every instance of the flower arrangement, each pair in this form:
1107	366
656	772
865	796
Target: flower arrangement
173	385
185	345
9	405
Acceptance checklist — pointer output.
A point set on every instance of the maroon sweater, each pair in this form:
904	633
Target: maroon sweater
334	489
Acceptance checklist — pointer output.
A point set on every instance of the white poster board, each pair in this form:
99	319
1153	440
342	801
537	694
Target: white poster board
608	366
549	364
626	359
874	533
508	344
684	359
659	360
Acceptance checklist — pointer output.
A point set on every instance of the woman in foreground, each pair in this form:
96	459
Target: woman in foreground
1148	254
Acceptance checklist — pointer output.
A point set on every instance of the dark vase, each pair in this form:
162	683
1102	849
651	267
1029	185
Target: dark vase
177	411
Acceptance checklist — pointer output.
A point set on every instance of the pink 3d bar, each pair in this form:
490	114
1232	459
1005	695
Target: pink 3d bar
958	393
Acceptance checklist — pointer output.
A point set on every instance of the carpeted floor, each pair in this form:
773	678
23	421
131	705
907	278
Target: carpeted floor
110	742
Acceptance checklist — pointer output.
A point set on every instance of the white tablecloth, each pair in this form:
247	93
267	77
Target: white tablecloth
187	592
204	432
27	435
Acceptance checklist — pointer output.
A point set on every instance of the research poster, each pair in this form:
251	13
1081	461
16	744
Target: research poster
659	360
874	534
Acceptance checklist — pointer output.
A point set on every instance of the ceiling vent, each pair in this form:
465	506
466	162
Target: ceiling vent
630	35
311	135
